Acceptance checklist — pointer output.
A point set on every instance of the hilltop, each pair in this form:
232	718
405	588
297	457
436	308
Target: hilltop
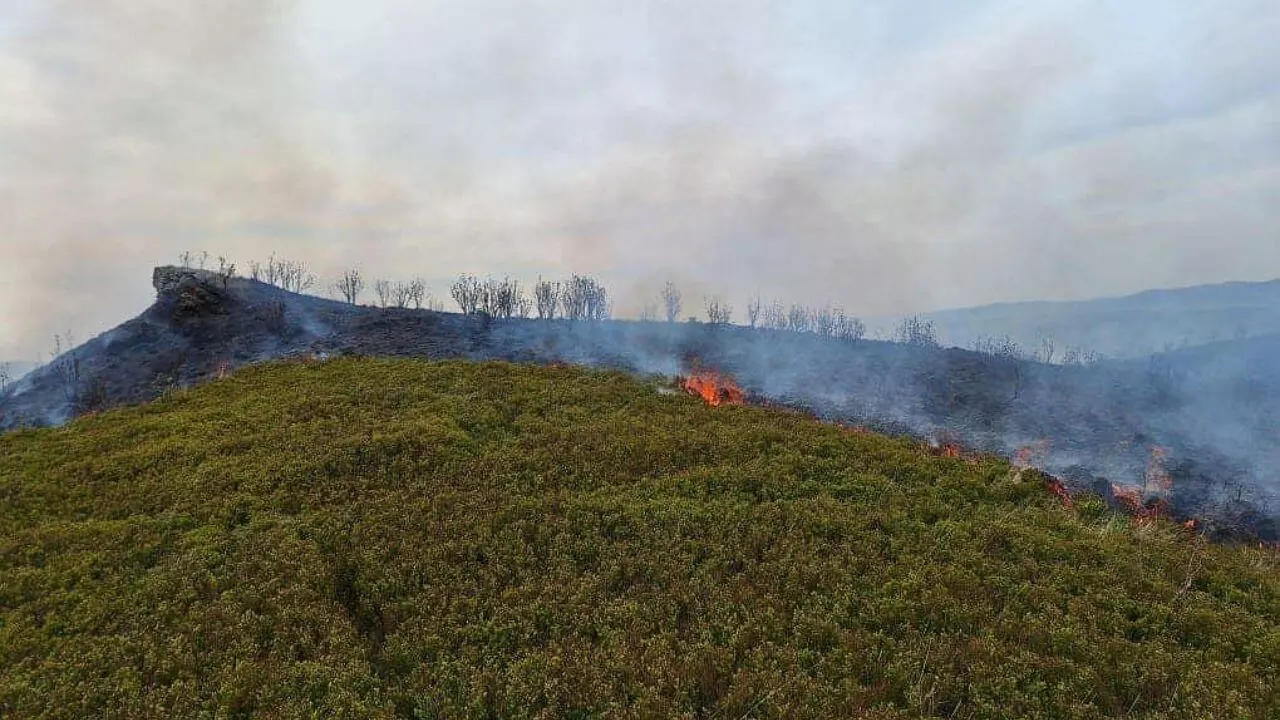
360	538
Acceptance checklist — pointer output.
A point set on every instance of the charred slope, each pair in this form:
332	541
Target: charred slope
398	539
1211	432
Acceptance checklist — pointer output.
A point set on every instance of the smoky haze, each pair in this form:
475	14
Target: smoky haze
886	156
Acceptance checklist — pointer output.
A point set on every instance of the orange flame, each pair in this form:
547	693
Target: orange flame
1144	512
714	389
946	445
1057	488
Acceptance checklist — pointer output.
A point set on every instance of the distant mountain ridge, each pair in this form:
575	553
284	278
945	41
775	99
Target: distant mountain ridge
1130	326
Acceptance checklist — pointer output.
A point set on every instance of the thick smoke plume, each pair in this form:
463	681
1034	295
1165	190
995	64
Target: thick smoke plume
886	156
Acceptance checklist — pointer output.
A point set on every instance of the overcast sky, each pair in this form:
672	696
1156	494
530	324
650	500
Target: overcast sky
888	156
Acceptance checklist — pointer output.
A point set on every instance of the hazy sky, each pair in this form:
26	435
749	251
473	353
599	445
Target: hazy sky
888	155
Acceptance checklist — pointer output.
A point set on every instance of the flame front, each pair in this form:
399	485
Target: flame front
1144	511
714	388
1057	488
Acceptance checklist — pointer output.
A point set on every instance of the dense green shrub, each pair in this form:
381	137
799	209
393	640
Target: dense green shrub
367	538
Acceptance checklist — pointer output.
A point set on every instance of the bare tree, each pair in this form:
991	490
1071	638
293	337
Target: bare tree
417	292
466	291
383	289
718	312
512	296
1047	349
284	274
501	298
672	301
524	306
400	294
585	299
226	271
774	317
573	300
66	366
193	261
491	298
824	322
598	307
915	330
799	319
350	285
271	274
294	277
547	297
6	376
999	347
648	313
848	328
753	310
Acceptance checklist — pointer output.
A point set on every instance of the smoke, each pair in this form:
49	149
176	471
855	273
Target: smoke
885	156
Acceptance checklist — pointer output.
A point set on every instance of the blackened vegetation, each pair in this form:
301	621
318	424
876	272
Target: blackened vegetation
1214	410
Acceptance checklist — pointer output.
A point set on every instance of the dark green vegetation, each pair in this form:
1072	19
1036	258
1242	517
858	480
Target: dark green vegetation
405	539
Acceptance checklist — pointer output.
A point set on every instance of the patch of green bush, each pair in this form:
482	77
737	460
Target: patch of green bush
364	538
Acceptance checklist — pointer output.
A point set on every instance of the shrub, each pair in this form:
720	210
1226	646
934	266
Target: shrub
672	301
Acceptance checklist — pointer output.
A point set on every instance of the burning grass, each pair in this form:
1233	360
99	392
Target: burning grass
386	539
713	387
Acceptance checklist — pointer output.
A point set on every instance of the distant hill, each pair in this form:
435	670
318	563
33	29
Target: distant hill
396	539
1132	326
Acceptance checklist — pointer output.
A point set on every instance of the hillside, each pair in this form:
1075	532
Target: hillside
1124	327
1091	425
391	538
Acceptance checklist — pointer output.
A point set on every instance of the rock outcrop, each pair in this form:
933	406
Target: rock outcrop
193	293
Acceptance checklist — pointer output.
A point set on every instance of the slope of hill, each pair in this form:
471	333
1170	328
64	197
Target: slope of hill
1131	326
1215	435
360	538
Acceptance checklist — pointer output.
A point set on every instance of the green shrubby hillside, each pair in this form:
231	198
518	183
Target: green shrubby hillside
364	538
